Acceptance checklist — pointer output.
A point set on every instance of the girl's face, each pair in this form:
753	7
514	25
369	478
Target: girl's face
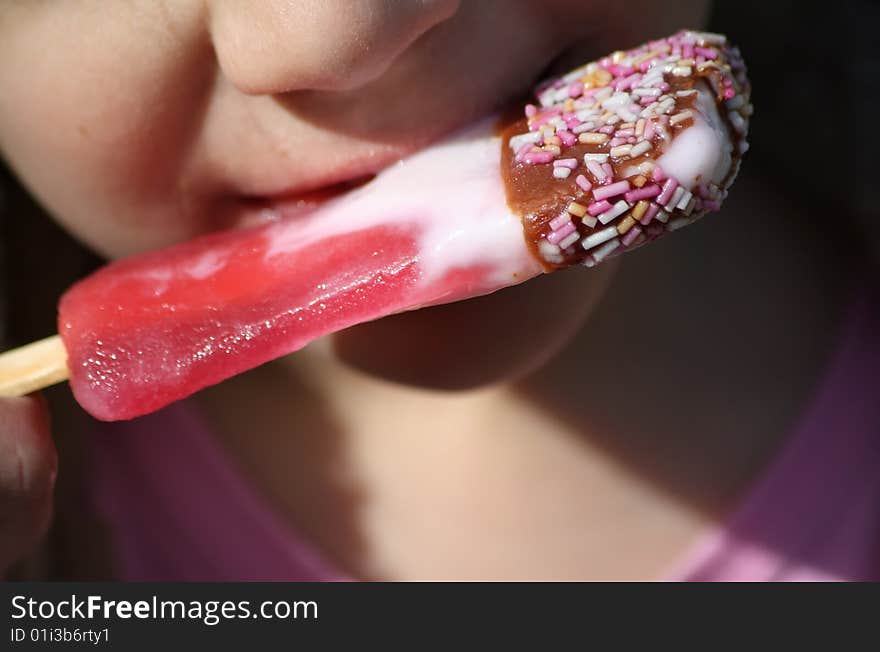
139	123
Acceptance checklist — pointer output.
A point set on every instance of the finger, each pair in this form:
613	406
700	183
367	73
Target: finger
28	465
472	343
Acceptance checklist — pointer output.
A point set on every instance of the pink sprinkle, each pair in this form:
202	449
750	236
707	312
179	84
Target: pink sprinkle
649	129
596	170
534	158
727	81
612	190
607	129
630	236
649	214
531	110
688	51
644	66
597	208
570	163
609	172
568	139
624	133
560	220
646	100
523	150
642	193
668	188
664	87
709	53
631	140
583	183
616	141
658	174
575	89
729	93
556	236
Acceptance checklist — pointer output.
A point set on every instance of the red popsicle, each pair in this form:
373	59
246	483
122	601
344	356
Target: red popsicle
613	155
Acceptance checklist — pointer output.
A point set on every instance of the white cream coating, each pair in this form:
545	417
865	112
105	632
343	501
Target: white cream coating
452	192
702	152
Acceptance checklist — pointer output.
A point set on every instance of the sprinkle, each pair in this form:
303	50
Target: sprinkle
662	216
576	209
570	163
569	240
549	251
639	181
556	236
685	198
642	193
589	220
561	173
559	221
653	209
640	127
640	149
596	208
602	252
536	158
595	156
595	169
518	141
568	139
649	129
668	188
615	211
658	174
681	117
620	151
612	190
676	197
682	71
592	138
632	235
599	237
609	173
583	183
625	224
637	212
531	110
575	89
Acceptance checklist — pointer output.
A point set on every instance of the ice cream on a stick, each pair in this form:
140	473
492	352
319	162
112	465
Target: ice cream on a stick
610	156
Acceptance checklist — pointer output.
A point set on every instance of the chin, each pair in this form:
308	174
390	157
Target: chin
480	342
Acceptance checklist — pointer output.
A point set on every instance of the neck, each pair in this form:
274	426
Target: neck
647	427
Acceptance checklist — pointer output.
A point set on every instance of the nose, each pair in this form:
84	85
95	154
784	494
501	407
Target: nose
277	46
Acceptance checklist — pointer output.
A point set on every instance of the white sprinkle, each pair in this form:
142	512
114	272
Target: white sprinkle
617	210
626	114
589	220
711	38
612	119
640	148
686	93
561	172
616	100
600	158
598	237
681	117
582	127
569	240
549	251
676	197
646	92
605	250
620	151
690	206
647	167
662	216
685	198
521	139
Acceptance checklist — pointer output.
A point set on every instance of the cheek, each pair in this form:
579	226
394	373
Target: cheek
98	127
496	338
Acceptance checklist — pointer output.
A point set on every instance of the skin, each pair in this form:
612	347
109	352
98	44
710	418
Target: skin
178	118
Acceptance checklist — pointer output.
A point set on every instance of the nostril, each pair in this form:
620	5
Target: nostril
275	46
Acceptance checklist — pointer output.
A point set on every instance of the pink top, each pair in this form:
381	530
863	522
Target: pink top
179	510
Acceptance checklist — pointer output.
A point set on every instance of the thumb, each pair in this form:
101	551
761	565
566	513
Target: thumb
28	465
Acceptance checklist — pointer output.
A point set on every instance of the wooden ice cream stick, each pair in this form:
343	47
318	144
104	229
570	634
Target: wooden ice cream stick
33	367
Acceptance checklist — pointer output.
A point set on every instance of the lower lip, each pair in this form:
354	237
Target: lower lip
262	210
